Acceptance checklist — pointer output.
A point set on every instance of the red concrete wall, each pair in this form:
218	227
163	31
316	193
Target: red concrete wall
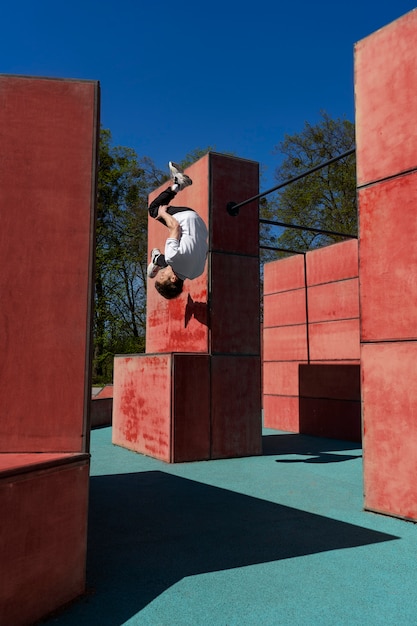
196	394
43	534
385	90
311	343
48	136
48	132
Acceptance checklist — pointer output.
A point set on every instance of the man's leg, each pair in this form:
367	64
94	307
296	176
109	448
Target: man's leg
163	199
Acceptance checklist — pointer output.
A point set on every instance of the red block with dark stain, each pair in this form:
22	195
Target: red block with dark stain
196	394
161	405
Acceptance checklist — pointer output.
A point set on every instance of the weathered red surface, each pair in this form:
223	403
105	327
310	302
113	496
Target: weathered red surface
388	257
236	398
287	308
332	263
290	275
48	138
196	393
142	404
234	311
180	325
300	329
43	537
389	397
334	301
385	88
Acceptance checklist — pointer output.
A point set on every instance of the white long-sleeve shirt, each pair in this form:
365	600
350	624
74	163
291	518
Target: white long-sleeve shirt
187	256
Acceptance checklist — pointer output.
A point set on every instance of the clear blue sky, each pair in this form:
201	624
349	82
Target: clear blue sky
174	77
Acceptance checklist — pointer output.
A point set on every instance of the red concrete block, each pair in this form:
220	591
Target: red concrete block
389	395
334	301
48	142
281	378
191	406
235	311
180	325
286	343
333	341
43	536
236	417
330	381
281	413
388	256
386	99
142	404
336	419
161	406
284	274
285	309
332	263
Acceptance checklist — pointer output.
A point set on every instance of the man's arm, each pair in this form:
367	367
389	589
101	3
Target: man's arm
173	225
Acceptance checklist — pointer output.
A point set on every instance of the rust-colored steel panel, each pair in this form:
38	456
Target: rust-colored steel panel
285	343
332	263
334	301
236	419
336	419
191	408
234	180
385	95
284	274
285	309
43	537
282	413
330	381
235	309
48	133
388	258
142	404
334	341
389	396
281	377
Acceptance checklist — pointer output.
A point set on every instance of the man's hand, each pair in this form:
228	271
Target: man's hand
173	225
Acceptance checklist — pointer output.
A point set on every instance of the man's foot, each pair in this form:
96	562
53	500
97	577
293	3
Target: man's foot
178	177
153	268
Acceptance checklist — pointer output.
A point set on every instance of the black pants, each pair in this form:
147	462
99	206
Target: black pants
164	199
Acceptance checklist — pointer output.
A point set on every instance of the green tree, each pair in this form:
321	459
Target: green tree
124	182
325	199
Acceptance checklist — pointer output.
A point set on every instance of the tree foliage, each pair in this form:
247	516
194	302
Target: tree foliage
326	199
124	182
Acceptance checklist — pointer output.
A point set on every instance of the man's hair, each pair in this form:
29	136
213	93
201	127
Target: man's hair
169	289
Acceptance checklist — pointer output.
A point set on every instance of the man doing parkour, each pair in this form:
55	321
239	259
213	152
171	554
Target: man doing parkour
186	246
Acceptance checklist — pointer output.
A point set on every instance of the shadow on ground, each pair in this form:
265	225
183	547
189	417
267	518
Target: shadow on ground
319	450
149	530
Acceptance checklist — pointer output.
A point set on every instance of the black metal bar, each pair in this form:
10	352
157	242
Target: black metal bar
313	230
233	207
282	250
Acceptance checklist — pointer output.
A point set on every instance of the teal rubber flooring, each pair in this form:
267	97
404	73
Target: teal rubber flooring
271	540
